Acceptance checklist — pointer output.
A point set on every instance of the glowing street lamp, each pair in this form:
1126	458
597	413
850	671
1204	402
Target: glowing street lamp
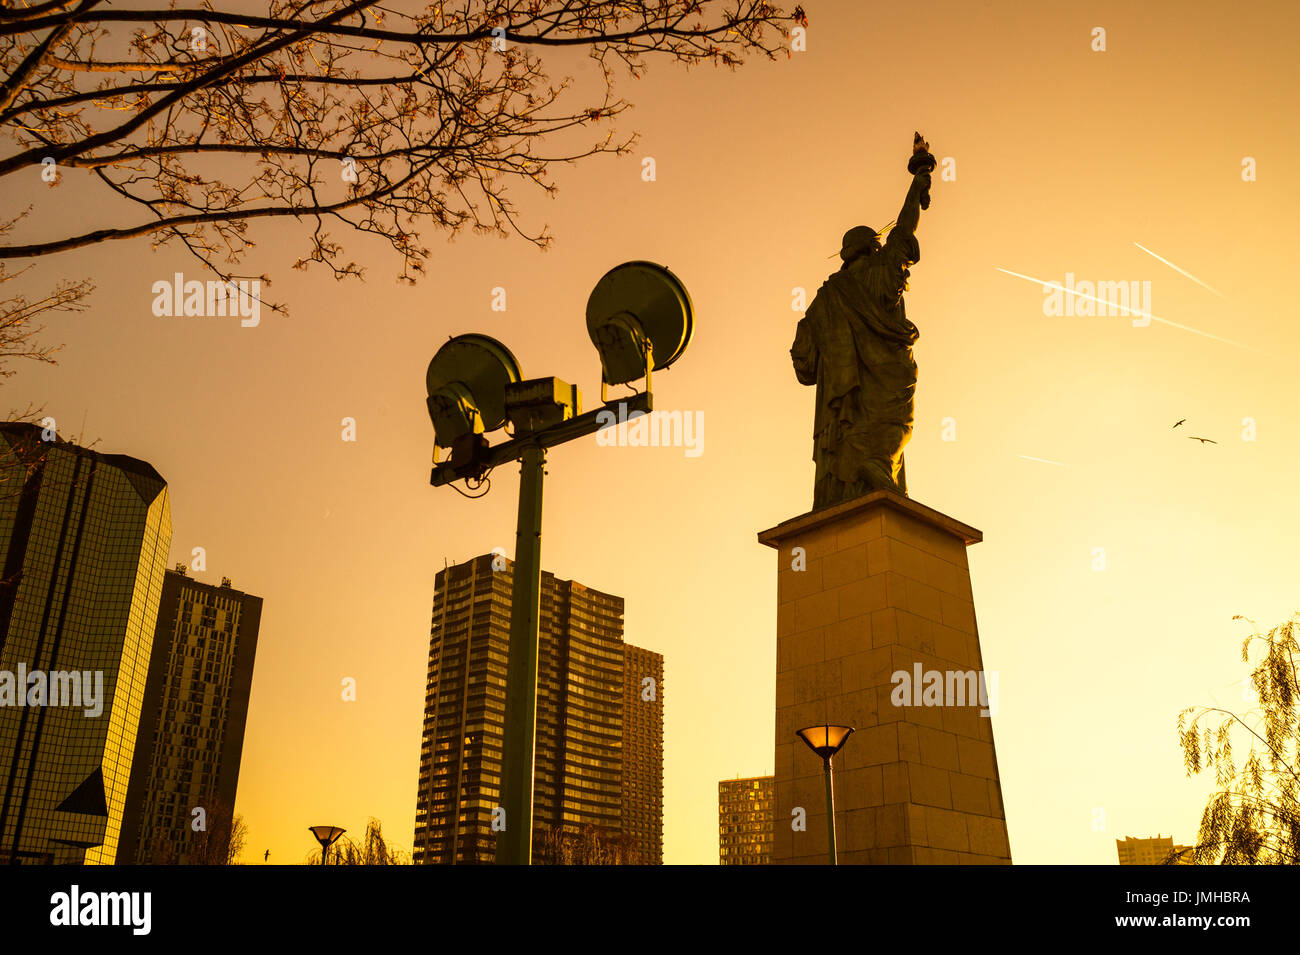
326	836
826	740
640	320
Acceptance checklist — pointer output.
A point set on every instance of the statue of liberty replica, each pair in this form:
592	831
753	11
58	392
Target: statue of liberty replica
855	344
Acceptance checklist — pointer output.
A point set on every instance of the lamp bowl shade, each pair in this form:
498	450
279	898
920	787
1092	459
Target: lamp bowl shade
825	739
326	835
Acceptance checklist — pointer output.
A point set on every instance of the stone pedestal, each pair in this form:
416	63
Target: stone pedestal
881	585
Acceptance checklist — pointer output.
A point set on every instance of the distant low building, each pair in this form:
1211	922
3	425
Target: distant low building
1154	851
746	821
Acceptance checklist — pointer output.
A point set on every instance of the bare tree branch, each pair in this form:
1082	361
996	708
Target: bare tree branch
388	120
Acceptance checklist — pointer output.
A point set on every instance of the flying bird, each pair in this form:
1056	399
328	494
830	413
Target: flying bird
1177	423
1202	440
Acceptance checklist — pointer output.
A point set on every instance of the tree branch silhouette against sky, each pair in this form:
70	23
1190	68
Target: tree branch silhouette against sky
391	119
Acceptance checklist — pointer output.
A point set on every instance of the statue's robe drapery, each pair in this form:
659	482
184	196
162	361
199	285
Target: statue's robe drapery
855	344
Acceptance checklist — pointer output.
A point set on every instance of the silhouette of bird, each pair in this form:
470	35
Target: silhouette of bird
1202	440
1177	423
266	855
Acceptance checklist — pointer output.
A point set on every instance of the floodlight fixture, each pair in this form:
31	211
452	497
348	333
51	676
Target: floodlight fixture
466	384
640	319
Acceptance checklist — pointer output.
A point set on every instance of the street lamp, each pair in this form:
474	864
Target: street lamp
326	836
640	320
826	740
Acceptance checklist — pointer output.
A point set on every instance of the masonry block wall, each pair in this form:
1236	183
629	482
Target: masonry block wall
881	585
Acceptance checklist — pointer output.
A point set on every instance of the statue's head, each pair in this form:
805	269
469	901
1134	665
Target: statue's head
858	241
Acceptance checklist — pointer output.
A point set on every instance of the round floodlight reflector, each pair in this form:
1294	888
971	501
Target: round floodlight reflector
466	383
638	308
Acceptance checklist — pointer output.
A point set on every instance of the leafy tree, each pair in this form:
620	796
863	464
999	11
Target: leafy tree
1255	818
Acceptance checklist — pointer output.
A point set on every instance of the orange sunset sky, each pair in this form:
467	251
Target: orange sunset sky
1064	159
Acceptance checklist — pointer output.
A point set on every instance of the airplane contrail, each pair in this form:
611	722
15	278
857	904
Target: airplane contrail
1187	328
1179	271
1041	460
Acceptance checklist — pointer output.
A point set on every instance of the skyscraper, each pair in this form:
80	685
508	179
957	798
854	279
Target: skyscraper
85	537
746	820
192	724
580	782
643	752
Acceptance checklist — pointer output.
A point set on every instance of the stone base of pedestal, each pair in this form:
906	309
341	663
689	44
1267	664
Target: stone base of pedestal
867	591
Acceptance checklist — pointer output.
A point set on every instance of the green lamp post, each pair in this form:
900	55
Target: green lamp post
640	320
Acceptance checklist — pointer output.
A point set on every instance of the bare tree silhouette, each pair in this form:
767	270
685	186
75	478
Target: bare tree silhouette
372	850
587	846
219	842
381	119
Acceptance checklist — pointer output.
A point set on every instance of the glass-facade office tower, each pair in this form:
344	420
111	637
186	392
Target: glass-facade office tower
84	539
583	723
191	734
746	820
